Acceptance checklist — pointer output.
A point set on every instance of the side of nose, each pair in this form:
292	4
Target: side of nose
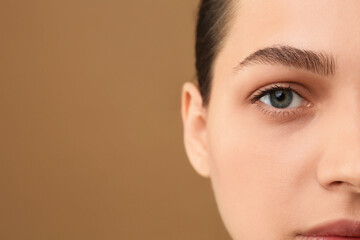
339	166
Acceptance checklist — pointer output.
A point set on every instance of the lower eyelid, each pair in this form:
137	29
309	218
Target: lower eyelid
282	117
288	113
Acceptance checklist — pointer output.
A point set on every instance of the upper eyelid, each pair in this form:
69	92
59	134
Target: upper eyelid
262	92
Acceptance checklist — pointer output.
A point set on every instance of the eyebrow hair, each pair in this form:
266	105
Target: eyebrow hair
317	62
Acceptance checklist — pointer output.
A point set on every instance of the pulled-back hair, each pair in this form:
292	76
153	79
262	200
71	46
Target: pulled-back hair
213	17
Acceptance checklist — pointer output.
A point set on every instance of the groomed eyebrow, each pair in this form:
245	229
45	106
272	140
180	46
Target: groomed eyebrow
317	62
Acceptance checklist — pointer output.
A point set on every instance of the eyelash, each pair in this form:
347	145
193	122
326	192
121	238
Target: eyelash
276	111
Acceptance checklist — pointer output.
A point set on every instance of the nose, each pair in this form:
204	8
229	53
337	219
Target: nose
339	167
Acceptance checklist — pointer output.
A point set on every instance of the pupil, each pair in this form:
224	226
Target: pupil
279	95
281	98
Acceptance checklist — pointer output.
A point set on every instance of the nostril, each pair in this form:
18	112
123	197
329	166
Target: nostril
337	183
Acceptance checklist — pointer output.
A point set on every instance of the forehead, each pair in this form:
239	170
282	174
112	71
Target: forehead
308	24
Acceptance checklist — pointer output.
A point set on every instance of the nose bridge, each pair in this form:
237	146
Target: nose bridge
340	165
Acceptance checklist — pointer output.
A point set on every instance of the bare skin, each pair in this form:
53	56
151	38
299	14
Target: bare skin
276	172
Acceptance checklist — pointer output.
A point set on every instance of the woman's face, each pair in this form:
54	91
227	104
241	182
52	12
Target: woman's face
287	161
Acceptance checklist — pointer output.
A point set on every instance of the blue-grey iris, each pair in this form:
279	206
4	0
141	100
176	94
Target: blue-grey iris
281	98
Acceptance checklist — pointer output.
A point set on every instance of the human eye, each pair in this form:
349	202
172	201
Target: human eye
278	101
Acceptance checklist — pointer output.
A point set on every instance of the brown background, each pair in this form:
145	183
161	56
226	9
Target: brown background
90	130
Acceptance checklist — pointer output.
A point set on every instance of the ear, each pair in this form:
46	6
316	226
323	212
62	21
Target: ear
194	122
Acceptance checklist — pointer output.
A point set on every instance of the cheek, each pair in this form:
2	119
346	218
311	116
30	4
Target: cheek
255	165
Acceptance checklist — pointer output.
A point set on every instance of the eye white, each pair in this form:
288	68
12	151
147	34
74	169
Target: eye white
295	102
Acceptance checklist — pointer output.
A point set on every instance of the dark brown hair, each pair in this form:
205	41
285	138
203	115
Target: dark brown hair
213	17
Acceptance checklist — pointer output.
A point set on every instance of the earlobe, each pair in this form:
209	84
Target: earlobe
194	122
